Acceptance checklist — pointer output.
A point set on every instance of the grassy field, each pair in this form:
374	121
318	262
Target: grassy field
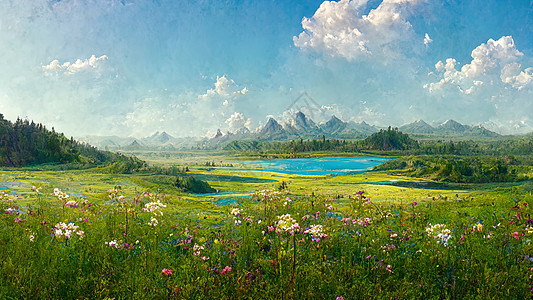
346	237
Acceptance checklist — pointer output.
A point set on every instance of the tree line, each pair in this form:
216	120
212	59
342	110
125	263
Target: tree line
25	143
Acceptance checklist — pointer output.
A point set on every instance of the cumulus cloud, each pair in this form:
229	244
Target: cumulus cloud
79	65
237	121
492	62
513	75
225	88
341	29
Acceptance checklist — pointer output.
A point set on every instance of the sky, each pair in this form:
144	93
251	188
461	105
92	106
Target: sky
134	67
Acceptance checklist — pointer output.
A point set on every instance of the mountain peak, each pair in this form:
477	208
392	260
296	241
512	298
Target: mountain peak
418	126
333	125
334	119
272	126
219	134
301	121
454	126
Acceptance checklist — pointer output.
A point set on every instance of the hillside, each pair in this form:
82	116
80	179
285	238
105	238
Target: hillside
25	143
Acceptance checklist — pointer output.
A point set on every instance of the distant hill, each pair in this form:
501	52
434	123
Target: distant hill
158	138
25	143
363	128
450	128
418	127
334	125
156	141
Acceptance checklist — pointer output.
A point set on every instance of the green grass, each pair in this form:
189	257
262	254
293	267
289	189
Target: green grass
376	246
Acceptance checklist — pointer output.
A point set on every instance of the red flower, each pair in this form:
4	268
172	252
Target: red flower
167	272
226	270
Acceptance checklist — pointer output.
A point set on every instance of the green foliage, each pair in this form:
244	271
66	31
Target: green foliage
126	165
193	185
23	143
294	146
390	139
477	169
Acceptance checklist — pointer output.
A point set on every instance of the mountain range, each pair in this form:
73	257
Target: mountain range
156	141
448	128
298	126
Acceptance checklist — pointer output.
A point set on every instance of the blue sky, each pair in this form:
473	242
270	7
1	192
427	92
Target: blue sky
133	67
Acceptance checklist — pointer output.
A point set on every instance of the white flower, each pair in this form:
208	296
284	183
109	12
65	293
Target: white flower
235	211
154	207
316	231
287	224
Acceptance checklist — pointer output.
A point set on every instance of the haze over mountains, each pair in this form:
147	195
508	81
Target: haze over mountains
297	126
448	128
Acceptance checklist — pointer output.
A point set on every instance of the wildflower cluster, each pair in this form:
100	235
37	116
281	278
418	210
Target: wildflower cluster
167	272
440	233
120	244
153	222
67	230
226	270
11	210
287	224
196	249
478	226
60	195
71	204
359	221
268	195
317	232
529	230
115	194
5	196
31	234
154	207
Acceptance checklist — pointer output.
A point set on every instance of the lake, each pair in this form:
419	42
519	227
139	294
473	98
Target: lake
317	166
334	166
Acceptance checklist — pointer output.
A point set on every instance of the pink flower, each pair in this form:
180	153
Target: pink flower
167	272
226	270
515	234
389	268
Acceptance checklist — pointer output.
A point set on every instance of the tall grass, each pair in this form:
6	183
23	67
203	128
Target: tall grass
277	246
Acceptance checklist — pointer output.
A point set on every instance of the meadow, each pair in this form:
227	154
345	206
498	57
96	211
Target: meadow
83	234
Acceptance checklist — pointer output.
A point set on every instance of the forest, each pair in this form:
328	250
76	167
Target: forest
26	143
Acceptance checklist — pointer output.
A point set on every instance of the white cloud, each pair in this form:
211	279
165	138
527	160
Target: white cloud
340	29
489	56
238	121
512	74
427	40
518	126
79	65
491	62
224	87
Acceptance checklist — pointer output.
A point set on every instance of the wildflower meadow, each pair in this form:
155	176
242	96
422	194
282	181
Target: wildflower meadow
274	245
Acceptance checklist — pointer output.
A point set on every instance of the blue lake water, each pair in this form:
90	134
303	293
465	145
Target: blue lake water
317	166
302	166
